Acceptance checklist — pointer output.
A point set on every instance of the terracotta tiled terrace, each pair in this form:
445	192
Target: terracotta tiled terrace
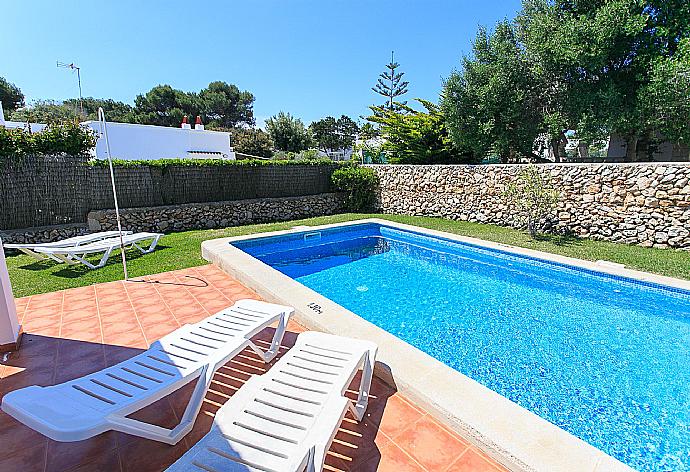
75	332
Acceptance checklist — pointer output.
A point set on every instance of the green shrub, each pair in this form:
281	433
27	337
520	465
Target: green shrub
67	138
359	183
534	197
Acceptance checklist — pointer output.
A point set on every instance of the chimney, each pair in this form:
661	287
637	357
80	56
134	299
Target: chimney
185	125
198	125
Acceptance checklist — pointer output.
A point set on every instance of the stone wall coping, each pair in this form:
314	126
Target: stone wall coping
548	165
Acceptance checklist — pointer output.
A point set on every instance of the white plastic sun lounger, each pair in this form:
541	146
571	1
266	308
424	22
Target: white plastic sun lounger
90	405
286	419
30	249
77	254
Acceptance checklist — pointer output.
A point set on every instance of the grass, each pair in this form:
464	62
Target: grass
182	250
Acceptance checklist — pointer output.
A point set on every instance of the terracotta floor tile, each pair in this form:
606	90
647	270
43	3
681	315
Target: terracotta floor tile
116	354
46	325
391	459
181	297
149	456
106	461
156	331
81	304
41	313
430	445
473	461
397	416
122	306
63	456
149	317
105	300
80	314
26	459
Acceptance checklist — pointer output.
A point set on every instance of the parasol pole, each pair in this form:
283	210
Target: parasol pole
104	132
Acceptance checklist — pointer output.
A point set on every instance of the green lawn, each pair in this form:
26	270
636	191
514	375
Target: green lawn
182	250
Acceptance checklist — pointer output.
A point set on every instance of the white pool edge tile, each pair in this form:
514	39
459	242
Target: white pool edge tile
514	436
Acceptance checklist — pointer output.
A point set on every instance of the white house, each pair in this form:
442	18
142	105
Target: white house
147	142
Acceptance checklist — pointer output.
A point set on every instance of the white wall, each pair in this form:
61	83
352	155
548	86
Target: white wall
133	142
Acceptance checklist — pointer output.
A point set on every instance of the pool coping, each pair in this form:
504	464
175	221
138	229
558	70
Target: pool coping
509	433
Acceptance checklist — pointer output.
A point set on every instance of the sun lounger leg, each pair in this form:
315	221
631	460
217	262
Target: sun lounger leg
36	255
272	351
151	247
169	436
360	407
64	258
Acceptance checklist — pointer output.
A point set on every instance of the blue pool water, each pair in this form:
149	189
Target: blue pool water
605	358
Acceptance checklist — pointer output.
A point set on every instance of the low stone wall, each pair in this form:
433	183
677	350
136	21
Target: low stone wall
43	234
645	204
218	214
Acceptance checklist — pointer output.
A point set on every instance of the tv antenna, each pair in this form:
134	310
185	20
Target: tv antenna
78	69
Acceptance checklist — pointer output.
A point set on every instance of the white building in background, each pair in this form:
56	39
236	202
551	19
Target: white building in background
147	142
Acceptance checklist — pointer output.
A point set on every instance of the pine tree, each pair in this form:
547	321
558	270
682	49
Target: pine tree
391	86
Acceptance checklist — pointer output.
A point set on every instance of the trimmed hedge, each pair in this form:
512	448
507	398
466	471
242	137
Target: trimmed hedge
215	162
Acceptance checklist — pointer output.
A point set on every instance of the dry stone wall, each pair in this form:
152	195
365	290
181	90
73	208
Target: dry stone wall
217	214
645	204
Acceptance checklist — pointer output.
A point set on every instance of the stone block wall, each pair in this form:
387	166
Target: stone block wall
646	204
43	234
217	214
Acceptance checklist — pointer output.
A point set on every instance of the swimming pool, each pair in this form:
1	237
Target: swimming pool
603	357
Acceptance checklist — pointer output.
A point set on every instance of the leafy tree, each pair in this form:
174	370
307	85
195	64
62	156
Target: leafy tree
391	86
218	105
10	96
334	135
600	89
534	197
490	104
224	105
414	137
114	110
163	106
252	141
288	133
368	131
665	99
46	111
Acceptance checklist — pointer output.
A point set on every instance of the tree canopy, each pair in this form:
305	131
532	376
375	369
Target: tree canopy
288	133
490	104
333	134
414	137
11	96
219	105
252	141
391	86
598	67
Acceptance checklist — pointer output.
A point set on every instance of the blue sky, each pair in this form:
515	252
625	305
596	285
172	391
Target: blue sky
311	58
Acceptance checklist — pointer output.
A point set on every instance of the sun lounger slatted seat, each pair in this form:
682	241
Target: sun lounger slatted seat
77	254
90	405
286	419
30	249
